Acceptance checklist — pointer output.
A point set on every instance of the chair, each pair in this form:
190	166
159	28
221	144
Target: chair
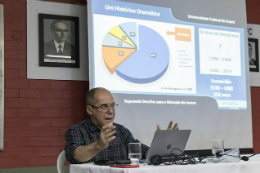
60	162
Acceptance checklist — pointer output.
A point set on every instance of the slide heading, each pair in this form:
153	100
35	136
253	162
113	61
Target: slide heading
130	10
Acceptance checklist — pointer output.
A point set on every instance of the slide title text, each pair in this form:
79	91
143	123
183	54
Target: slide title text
133	11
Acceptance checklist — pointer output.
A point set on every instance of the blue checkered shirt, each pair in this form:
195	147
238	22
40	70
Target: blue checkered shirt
85	132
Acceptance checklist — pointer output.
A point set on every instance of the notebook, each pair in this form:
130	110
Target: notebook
165	140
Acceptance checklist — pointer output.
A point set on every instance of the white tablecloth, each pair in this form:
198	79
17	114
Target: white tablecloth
252	166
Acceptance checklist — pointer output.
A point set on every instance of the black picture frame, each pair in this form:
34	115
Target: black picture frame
253	57
64	29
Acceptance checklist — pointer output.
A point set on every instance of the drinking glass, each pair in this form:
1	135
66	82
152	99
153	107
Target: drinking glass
134	153
217	147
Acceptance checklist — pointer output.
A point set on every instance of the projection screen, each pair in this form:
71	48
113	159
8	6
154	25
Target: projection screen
184	61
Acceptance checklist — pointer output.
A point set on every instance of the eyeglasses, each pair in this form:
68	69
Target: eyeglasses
105	107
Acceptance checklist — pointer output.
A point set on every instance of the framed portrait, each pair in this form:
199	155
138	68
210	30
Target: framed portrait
58	41
253	54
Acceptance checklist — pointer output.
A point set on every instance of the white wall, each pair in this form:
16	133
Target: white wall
34	71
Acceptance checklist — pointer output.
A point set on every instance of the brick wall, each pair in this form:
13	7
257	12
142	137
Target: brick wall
37	112
253	17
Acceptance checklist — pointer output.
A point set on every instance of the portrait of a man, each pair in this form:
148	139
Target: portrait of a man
252	61
59	47
59	41
253	54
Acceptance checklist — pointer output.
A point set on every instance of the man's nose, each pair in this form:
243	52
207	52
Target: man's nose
110	109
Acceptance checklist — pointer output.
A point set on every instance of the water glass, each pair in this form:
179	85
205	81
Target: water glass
217	147
134	153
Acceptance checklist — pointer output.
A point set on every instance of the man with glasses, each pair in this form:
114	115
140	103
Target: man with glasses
252	61
58	47
98	137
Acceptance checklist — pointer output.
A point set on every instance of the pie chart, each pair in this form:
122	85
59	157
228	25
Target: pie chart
136	53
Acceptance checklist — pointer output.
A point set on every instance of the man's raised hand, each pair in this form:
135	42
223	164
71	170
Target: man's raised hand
175	127
106	136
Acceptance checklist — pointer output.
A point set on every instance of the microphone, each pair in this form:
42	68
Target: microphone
156	160
245	158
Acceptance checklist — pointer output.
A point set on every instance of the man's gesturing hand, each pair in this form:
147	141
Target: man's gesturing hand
106	136
175	127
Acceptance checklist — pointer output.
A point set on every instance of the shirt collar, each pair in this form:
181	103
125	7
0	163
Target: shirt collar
91	125
57	45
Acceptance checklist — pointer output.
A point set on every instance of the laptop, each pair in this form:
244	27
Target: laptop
165	140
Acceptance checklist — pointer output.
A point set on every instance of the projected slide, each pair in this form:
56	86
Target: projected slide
144	63
173	60
144	49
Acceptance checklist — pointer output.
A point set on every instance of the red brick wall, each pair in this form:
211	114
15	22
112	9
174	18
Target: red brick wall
253	17
37	112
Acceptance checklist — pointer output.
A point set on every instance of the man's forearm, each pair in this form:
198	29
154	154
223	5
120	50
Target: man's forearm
86	152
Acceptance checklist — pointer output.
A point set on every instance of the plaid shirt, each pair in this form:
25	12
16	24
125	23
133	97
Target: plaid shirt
85	132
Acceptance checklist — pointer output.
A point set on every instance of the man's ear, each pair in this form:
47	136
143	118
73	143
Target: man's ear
89	110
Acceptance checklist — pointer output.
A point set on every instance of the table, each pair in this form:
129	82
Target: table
251	166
